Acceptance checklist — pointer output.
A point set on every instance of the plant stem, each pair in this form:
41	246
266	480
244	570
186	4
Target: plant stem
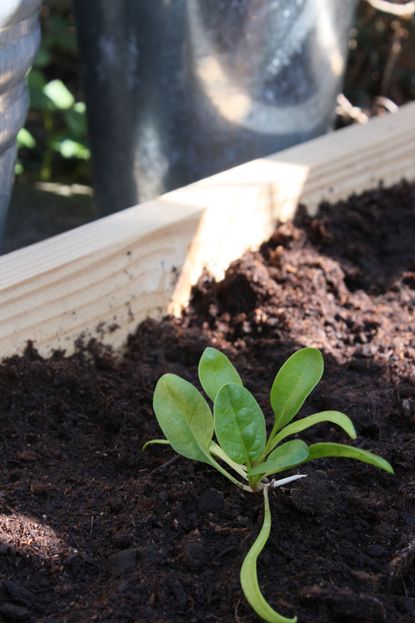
46	166
227	475
249	575
217	451
269	445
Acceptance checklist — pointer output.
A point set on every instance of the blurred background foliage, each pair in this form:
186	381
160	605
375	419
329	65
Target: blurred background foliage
380	72
380	76
53	144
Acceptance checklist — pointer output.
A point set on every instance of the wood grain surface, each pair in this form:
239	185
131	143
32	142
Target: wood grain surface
103	278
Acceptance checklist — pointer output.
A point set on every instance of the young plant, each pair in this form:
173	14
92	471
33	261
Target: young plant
234	437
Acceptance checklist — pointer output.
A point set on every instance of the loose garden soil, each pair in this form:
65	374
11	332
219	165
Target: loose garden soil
94	529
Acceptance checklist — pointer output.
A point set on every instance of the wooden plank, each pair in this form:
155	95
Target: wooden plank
106	276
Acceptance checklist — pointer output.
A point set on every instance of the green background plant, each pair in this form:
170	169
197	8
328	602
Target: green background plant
53	143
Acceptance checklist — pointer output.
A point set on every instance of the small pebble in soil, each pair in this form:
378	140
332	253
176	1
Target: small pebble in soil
377	551
193	555
150	554
65	589
365	351
115	504
122	587
408	407
122	562
122	539
26	456
210	501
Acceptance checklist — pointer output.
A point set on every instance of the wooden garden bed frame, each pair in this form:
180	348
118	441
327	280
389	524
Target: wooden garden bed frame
105	277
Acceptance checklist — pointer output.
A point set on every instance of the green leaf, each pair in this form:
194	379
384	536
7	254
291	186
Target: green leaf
36	82
239	424
25	139
289	455
294	382
68	148
216	451
215	370
249	575
43	58
59	95
323	450
155	442
184	417
60	34
18	168
334	417
76	121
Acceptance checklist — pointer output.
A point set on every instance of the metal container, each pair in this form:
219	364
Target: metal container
19	41
180	89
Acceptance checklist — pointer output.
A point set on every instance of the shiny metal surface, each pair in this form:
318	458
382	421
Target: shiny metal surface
19	40
180	89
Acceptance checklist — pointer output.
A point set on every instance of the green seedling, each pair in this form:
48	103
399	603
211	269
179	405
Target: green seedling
233	439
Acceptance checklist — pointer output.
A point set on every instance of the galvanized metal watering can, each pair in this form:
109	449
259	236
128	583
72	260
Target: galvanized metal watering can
180	89
19	40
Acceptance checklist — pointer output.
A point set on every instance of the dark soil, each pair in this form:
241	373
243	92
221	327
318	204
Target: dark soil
93	529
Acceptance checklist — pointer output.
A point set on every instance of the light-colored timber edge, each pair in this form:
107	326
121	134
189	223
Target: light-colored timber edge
142	261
